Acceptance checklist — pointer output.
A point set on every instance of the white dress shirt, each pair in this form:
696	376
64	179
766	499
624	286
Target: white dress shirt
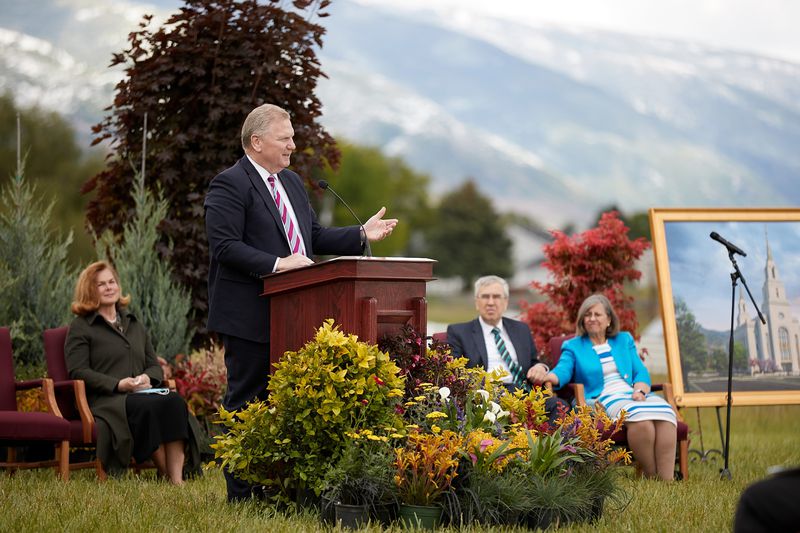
264	173
493	357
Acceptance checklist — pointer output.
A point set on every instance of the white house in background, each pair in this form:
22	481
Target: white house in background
777	342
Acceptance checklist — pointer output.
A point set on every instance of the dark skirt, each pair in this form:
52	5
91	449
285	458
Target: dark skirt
155	419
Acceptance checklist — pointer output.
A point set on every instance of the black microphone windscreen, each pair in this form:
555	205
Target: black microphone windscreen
322	184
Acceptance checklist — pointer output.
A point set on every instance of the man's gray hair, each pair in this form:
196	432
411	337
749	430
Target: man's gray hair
259	120
489	280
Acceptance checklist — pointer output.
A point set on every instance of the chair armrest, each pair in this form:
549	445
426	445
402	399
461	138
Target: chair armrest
50	397
87	418
575	391
28	384
579	392
82	405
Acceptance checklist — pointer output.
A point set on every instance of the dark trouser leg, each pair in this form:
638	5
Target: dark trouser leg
247	363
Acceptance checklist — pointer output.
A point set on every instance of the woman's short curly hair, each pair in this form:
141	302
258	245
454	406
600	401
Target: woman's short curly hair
86	299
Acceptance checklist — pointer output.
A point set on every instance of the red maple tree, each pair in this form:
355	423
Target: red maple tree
599	260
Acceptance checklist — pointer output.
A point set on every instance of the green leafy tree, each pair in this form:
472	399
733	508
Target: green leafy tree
468	237
161	303
197	77
55	163
367	180
37	279
692	343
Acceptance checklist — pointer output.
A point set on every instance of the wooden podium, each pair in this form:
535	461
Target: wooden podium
367	296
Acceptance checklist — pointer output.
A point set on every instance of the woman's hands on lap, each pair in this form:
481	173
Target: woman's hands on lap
140	382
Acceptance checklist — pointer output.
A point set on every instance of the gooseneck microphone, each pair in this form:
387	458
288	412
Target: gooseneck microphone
730	246
325	186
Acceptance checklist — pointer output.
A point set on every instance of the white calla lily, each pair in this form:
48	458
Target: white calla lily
444	393
489	417
483	394
495	407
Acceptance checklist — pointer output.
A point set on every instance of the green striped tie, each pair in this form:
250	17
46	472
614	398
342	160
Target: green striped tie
520	380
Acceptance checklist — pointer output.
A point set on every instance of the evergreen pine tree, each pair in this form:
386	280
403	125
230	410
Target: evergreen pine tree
162	304
36	278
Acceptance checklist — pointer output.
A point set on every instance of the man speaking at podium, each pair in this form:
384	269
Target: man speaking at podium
259	221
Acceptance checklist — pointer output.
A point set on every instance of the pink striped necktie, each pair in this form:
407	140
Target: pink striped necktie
295	242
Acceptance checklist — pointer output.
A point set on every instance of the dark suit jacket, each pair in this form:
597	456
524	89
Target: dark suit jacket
466	339
246	236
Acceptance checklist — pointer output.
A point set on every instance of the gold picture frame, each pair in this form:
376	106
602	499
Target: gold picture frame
690	267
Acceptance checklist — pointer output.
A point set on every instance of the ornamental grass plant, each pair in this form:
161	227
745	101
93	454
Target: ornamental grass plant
363	475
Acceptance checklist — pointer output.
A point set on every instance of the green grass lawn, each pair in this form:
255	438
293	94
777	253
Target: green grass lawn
37	501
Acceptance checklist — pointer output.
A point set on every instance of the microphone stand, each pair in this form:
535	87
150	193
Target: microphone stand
367	249
736	275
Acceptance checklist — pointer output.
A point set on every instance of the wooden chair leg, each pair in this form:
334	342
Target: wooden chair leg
62	456
683	459
11	457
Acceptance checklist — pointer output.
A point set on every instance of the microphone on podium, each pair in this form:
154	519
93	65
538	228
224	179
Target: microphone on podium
732	248
325	186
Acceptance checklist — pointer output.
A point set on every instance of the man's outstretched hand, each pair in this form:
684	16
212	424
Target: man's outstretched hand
377	228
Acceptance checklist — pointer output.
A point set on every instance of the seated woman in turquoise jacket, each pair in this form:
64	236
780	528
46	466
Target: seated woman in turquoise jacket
605	360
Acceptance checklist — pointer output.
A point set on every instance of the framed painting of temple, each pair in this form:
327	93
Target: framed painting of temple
695	279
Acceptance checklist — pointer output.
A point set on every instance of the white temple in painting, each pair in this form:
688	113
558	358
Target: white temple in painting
774	347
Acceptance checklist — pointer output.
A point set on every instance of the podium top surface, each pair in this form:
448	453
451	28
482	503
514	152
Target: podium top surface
340	268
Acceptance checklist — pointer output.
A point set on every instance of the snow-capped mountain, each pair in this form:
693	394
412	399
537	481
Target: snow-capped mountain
553	122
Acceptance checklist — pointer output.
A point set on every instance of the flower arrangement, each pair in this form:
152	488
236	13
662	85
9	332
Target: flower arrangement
201	379
422	364
590	429
527	408
362	427
435	409
426	467
488	453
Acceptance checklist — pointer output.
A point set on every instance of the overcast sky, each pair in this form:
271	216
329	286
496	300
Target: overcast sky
768	27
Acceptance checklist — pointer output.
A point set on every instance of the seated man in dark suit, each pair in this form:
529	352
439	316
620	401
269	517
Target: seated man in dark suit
493	341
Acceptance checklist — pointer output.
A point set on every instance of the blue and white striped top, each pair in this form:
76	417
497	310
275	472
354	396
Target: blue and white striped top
617	394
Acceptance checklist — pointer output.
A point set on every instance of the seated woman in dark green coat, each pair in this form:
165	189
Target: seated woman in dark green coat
109	349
